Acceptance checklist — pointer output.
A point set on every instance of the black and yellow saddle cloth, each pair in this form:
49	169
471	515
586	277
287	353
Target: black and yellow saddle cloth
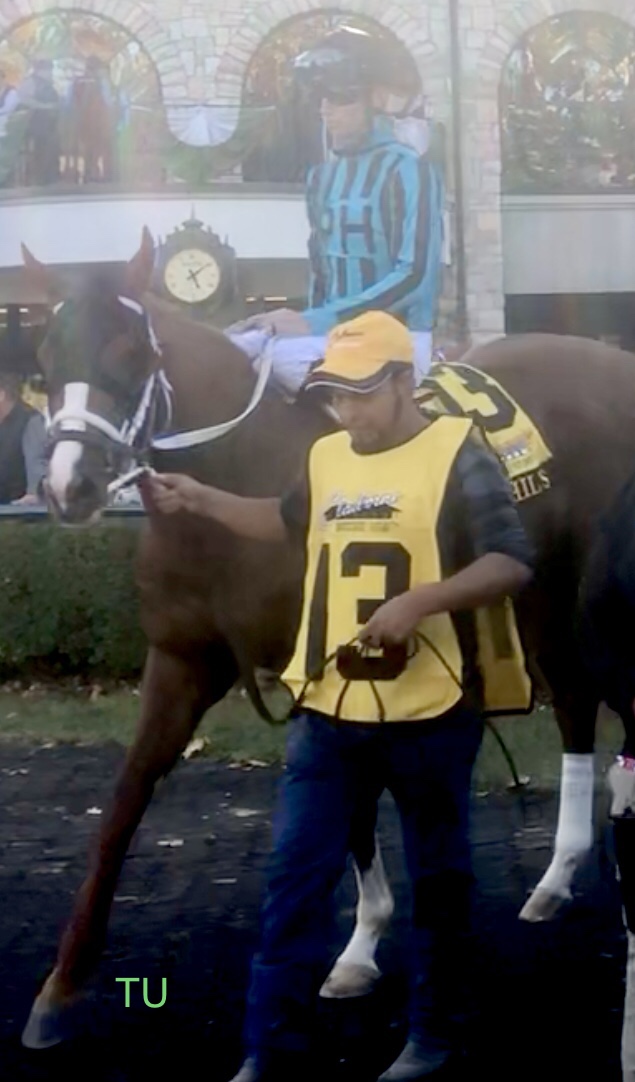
463	391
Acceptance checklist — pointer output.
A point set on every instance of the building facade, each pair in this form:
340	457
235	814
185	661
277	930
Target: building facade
512	134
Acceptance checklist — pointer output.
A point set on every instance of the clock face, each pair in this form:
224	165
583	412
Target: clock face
192	276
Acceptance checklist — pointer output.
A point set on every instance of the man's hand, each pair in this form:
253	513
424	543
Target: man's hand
395	622
254	519
169	493
284	322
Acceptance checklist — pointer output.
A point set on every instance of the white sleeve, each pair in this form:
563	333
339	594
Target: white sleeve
413	132
10	103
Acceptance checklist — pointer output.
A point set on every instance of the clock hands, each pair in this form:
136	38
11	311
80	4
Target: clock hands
194	276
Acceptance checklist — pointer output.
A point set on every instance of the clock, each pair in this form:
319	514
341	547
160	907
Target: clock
192	276
195	269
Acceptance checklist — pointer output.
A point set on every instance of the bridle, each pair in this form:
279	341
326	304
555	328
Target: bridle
136	438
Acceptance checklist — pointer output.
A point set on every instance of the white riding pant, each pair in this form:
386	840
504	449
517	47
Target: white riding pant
293	357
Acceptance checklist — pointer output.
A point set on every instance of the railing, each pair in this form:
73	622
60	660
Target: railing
157	145
39	513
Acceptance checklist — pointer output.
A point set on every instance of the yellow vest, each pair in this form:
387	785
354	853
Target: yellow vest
372	536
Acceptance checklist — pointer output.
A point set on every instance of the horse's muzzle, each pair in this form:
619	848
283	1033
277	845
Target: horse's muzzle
82	506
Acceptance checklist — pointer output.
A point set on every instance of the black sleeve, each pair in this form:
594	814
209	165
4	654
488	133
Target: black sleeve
479	514
295	508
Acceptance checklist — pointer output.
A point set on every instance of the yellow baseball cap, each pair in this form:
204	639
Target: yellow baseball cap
362	354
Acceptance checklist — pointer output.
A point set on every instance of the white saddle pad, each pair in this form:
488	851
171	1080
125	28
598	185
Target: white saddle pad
292	358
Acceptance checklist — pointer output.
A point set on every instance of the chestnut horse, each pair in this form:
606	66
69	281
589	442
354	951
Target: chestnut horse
213	606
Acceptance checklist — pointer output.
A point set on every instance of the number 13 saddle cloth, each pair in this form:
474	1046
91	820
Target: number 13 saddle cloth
372	537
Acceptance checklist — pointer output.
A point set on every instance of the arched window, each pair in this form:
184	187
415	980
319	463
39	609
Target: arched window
103	117
295	143
568	107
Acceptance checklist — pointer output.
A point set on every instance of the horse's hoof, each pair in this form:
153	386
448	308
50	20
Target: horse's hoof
50	1023
349	981
543	906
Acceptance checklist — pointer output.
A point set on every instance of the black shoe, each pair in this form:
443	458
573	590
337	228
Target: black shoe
417	1061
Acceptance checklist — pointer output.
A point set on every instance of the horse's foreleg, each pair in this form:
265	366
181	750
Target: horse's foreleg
355	971
574	834
174	697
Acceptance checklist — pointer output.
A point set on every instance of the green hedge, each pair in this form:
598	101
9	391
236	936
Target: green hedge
68	602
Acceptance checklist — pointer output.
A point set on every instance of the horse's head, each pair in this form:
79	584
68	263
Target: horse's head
99	357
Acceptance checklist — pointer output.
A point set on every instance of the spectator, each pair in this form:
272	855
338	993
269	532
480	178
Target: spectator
22	445
93	113
42	100
9	100
10	141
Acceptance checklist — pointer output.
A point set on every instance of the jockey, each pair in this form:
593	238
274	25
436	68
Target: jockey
375	208
431	509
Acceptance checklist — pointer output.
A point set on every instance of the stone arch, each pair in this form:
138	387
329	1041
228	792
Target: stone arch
493	31
135	16
530	15
413	33
548	143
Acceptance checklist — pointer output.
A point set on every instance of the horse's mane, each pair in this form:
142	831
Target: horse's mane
175	326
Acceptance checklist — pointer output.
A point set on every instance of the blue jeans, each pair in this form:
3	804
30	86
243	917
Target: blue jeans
331	767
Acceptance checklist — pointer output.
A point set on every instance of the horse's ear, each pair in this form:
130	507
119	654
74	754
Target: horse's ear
43	278
138	273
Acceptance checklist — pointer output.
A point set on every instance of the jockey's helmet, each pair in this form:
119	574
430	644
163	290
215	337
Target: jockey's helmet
347	63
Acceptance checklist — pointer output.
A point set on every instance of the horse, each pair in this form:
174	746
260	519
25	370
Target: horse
214	608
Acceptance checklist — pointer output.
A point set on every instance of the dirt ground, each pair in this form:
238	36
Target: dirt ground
549	996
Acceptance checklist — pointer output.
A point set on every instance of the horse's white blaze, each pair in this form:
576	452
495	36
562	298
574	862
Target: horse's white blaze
67	455
574	838
355	971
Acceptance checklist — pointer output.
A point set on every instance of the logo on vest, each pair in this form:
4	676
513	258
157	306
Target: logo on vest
383	506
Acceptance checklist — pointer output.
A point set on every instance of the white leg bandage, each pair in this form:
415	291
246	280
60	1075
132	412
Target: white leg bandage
374	910
355	971
622	788
574	838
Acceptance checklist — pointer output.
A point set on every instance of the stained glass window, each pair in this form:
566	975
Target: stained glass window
568	107
102	90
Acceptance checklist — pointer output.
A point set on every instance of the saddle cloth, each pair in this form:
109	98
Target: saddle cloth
469	392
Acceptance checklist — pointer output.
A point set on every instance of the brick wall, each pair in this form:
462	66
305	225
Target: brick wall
202	49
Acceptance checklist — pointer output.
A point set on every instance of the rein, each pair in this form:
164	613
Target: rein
183	440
